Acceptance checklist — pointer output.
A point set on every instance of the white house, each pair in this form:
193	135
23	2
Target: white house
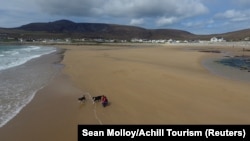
216	39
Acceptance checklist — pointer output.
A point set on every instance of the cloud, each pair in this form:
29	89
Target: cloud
243	2
201	23
137	21
166	21
18	5
124	8
69	8
134	12
234	15
18	12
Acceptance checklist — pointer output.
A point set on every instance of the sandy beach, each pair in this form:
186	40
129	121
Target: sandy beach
145	84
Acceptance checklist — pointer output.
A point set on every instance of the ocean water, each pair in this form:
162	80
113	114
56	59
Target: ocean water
232	68
22	74
11	56
240	62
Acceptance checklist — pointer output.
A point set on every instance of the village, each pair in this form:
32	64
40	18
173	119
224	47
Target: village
6	38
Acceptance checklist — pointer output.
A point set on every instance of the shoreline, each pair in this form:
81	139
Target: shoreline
145	85
44	117
19	84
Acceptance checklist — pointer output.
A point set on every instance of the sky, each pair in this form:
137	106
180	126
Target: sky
195	16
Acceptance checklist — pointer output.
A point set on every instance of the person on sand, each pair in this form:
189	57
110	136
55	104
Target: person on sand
104	101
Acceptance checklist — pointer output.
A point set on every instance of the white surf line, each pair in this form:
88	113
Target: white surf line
96	116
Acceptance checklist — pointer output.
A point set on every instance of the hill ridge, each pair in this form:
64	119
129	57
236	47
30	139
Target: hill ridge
66	28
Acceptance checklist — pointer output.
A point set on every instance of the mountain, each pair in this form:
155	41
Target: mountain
69	29
66	28
237	35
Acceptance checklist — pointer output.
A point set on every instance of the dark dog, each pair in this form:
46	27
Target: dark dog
82	99
97	98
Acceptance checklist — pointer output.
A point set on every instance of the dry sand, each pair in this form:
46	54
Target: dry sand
156	85
145	85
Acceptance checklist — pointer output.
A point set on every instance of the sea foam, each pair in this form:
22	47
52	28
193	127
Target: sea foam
21	78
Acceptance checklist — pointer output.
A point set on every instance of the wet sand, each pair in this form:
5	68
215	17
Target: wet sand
156	84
